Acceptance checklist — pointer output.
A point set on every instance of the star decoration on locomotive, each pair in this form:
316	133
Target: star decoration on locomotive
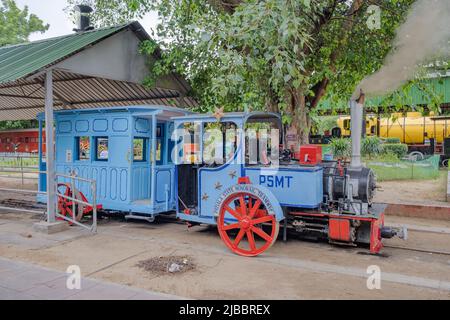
218	114
205	197
233	174
218	186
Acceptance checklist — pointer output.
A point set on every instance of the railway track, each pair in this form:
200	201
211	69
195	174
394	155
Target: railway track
423	229
445	253
28	205
14	203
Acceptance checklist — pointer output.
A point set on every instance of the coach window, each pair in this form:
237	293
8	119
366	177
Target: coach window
159	145
260	148
101	148
191	142
219	142
140	149
83	145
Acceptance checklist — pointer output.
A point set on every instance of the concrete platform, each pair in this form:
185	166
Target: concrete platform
418	211
50	228
23	281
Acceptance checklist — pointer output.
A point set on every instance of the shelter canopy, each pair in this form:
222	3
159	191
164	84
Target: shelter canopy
99	68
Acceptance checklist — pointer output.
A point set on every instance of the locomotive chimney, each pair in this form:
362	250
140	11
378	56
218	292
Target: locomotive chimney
83	20
356	113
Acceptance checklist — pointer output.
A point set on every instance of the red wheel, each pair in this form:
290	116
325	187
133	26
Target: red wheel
65	206
250	213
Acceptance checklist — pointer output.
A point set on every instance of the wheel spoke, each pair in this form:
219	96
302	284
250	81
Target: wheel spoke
69	212
243	206
255	208
262	220
231	226
233	212
261	233
239	237
251	240
249	211
67	193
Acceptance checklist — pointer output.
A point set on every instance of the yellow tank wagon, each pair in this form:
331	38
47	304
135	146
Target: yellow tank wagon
412	129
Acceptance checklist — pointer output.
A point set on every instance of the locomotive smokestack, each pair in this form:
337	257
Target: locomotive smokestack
356	113
83	20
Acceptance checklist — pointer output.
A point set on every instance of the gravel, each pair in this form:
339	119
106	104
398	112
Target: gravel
167	264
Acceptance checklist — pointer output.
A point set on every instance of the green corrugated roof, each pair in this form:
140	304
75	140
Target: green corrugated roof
18	61
415	95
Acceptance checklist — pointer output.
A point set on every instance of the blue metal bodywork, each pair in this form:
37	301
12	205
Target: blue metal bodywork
123	184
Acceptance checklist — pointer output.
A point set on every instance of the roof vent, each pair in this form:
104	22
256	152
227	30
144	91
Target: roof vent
83	20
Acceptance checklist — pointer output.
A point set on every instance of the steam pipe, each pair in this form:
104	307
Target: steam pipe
356	113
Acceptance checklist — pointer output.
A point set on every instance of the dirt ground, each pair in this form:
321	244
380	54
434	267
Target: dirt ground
293	270
421	192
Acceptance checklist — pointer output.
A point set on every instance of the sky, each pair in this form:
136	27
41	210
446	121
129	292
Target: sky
51	12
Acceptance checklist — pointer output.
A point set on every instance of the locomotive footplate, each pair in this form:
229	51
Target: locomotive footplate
344	229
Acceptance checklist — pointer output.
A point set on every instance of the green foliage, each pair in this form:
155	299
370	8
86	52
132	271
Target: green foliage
341	148
111	12
17	162
21	124
260	54
370	146
324	123
400	150
392	140
386	157
16	25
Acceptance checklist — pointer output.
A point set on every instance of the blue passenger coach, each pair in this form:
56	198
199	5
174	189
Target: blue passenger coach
115	147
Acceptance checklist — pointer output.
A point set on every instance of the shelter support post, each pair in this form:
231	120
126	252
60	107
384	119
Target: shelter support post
153	158
51	225
50	152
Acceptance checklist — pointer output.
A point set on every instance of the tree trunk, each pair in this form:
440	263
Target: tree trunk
301	121
272	106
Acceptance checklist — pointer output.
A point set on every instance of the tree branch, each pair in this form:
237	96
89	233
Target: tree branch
320	88
228	6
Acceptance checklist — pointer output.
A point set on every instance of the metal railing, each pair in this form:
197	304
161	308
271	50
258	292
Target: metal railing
11	165
75	200
21	173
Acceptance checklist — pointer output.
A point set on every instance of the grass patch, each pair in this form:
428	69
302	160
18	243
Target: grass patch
18	162
404	170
